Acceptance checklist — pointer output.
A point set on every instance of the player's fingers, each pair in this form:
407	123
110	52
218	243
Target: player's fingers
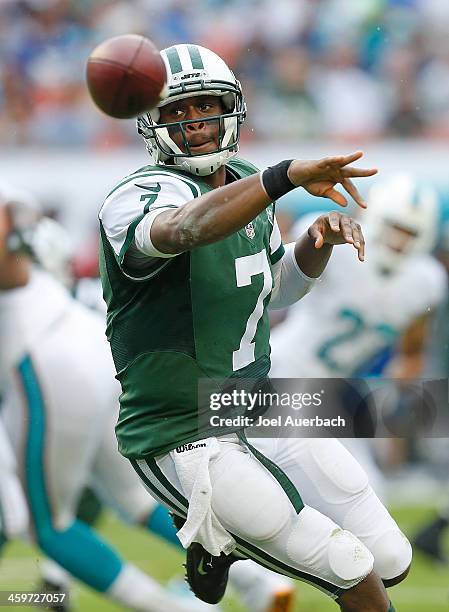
341	160
359	240
334	221
335	196
353	192
359	172
352	157
346	229
316	236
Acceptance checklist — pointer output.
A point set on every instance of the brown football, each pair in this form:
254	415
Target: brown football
126	76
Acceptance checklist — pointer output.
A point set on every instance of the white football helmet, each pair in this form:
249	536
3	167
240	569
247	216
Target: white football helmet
22	205
191	71
45	240
401	220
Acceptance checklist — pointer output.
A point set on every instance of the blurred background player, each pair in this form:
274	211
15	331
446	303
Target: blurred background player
79	442
362	321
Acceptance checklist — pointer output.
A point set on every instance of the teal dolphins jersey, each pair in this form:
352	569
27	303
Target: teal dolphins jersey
199	315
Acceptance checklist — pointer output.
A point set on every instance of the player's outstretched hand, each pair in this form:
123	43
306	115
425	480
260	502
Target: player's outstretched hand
336	228
319	177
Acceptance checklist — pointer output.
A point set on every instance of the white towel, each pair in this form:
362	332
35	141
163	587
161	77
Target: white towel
202	525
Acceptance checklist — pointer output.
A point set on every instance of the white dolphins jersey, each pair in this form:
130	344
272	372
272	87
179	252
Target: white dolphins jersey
353	315
25	314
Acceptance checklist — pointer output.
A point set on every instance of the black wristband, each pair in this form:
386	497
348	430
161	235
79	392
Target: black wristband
275	180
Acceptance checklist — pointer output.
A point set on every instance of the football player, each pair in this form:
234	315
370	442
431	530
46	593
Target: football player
13	512
358	313
361	322
191	256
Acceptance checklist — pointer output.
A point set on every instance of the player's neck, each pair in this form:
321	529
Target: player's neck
217	179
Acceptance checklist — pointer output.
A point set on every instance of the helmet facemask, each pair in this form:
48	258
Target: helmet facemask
401	221
157	135
394	244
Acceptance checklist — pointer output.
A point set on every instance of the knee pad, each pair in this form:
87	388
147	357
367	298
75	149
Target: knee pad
392	554
317	543
349	558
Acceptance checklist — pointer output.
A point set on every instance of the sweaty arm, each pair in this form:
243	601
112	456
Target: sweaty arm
225	210
210	217
181	223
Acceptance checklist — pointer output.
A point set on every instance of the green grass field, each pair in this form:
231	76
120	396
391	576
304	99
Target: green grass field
426	589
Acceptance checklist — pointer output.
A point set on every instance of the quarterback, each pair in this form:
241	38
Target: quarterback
191	257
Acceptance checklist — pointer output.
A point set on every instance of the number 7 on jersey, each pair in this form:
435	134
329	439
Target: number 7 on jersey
245	268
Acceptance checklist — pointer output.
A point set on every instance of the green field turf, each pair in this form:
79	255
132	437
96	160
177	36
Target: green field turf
426	589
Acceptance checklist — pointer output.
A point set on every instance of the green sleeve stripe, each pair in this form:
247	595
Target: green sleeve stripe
174	60
190	184
277	255
195	57
129	238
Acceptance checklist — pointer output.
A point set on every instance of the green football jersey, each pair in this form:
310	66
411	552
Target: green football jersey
200	314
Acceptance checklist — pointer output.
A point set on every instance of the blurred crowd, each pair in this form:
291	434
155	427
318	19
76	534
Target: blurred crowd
334	69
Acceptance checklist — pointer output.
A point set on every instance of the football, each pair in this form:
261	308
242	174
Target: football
126	76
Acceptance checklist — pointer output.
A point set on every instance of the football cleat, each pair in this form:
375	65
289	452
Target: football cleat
207	575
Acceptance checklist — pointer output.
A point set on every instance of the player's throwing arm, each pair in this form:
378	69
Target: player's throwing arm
225	210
